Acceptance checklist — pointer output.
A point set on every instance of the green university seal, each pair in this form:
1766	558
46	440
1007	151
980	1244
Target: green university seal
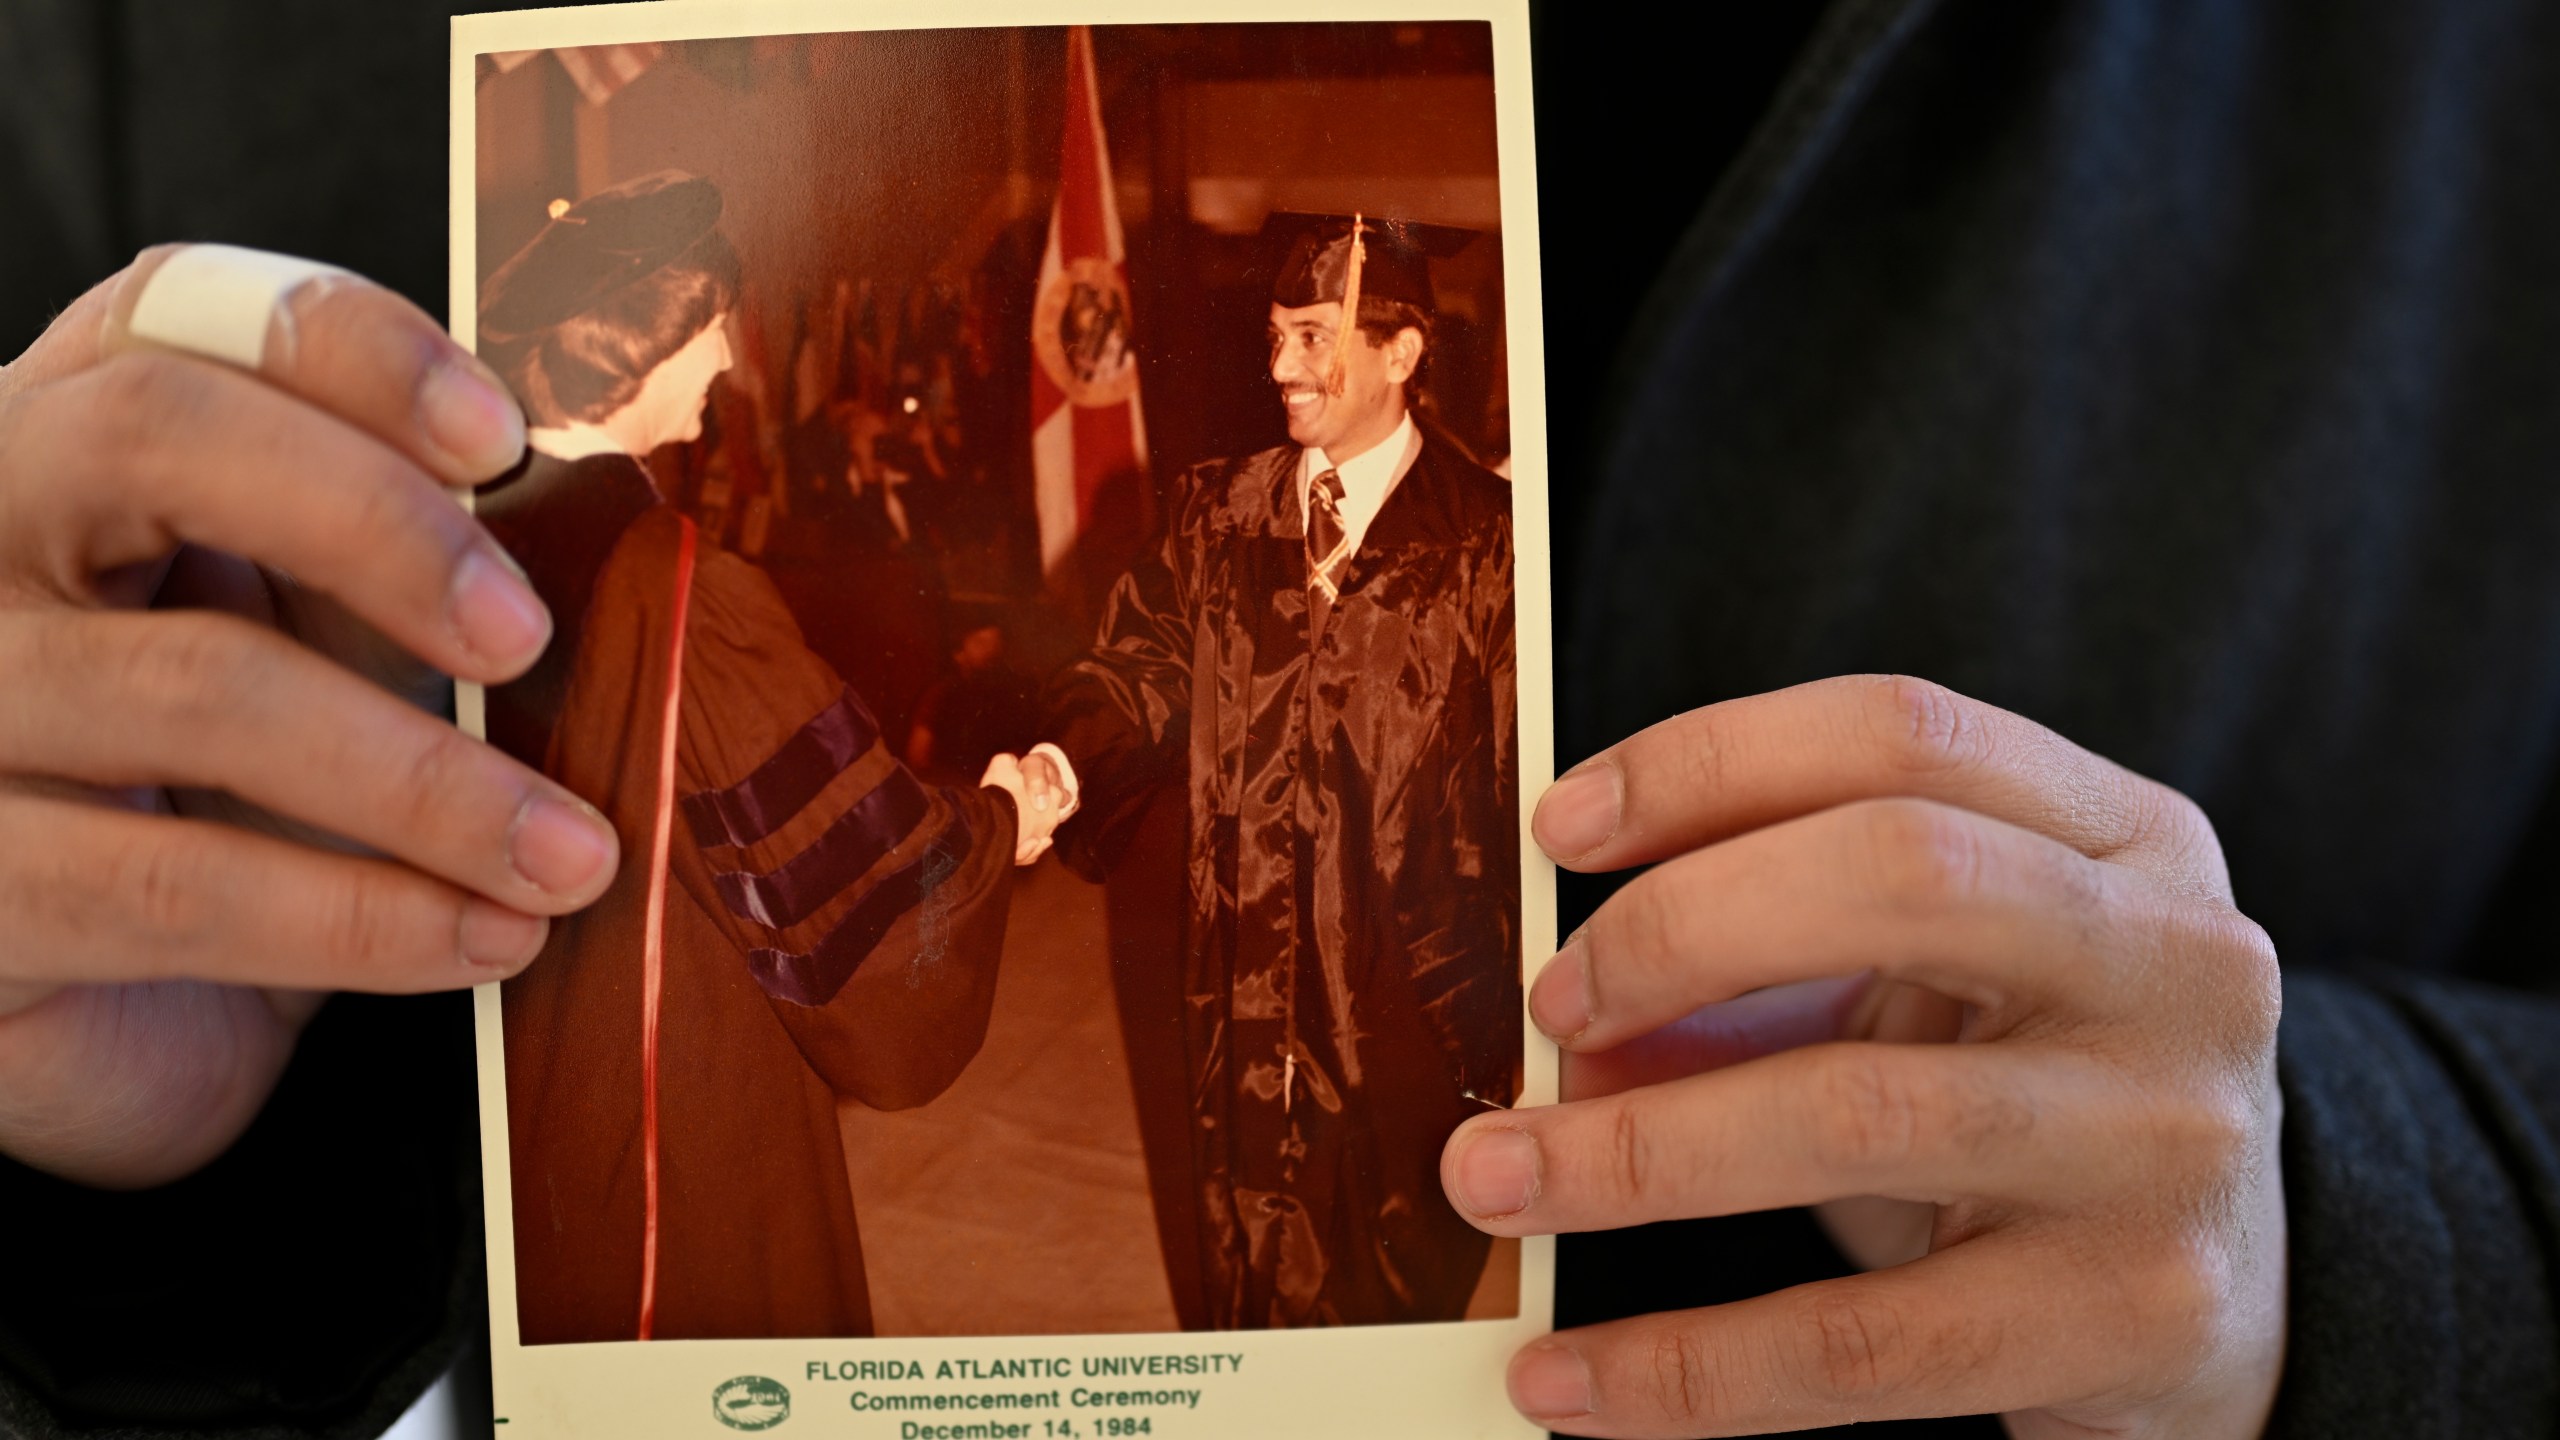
751	1402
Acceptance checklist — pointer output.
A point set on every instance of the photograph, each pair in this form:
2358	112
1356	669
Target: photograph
1029	518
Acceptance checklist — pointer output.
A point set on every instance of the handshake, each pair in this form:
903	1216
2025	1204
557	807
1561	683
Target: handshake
1043	787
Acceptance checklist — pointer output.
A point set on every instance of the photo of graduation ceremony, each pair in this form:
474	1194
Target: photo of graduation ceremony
1033	589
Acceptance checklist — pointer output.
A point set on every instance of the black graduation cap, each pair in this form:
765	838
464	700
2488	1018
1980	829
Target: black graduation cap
1396	265
594	248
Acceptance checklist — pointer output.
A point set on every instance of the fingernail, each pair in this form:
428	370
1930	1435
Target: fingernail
1560	1001
471	419
1549	1380
561	849
1578	813
1498	1173
497	938
494	613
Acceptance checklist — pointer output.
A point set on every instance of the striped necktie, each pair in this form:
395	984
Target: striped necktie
1328	547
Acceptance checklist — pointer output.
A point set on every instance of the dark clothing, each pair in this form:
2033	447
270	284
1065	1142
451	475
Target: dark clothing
2176	374
561	522
1351	960
832	932
2178	377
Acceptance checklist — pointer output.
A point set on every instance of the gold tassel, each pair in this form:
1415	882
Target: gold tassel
1350	307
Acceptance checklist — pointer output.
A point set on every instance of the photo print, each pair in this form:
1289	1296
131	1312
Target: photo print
1048	588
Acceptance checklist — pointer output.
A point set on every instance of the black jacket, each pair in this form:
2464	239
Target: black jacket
2177	374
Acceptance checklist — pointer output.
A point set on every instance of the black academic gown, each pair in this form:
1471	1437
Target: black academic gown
829	929
1351	972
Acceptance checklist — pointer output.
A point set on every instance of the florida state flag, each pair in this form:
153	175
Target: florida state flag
1088	439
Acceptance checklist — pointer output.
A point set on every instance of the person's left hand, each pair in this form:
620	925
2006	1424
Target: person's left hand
1981	996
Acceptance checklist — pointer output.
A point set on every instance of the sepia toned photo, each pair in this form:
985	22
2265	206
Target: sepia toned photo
1030	521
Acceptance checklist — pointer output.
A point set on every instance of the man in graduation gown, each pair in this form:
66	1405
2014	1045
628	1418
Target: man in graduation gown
797	919
1321	650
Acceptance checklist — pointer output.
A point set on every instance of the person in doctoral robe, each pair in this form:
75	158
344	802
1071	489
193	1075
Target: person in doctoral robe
797	918
1321	651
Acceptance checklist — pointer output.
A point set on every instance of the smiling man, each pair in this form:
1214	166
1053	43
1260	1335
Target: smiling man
1322	649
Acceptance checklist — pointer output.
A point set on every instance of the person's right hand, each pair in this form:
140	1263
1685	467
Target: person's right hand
1048	791
227	605
1046	802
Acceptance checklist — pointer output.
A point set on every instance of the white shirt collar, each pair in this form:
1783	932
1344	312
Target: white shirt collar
573	441
1367	478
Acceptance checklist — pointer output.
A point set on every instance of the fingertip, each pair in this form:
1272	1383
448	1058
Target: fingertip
564	848
495	619
496	941
1560	999
1549	1381
1492	1169
468	415
1580	812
